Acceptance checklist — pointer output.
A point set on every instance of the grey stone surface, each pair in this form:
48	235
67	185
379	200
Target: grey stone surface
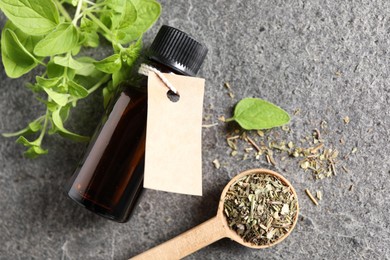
328	58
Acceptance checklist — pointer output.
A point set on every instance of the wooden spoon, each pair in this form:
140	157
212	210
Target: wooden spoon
212	230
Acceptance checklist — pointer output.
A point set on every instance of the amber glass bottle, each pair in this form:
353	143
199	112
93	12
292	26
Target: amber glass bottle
109	178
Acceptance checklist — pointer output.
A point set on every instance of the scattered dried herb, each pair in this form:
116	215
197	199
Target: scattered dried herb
311	197
228	87
312	153
216	164
260	208
319	195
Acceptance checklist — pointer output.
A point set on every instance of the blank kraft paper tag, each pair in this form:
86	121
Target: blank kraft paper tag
173	156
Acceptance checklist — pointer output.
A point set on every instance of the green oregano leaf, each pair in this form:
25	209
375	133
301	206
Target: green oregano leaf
63	39
35	17
88	68
88	33
76	90
25	142
59	98
16	59
55	70
52	33
64	112
110	64
147	13
48	83
57	120
68	61
119	15
34	152
256	114
129	15
131	53
28	41
34	149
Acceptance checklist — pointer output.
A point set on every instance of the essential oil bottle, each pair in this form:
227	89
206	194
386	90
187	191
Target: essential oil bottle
108	180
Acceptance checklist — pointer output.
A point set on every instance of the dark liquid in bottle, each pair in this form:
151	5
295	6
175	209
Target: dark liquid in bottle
109	178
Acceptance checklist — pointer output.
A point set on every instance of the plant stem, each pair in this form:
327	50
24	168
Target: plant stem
103	80
20	132
92	3
63	11
111	36
99	83
40	62
77	14
44	127
100	24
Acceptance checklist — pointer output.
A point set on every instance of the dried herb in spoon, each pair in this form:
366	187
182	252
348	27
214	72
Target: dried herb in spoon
260	208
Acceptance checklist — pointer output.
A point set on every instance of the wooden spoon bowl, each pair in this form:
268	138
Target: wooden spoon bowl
213	229
233	234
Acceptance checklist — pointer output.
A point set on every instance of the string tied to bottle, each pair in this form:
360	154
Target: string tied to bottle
144	69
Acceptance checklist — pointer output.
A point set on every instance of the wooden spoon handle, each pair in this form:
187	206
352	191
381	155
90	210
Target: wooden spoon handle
188	242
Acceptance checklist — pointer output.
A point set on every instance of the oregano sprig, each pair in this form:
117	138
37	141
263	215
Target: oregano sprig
43	33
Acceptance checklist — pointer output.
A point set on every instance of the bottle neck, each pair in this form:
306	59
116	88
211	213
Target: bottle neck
139	81
164	68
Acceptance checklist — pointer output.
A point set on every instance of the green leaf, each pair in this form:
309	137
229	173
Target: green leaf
57	120
64	112
87	25
34	152
48	83
148	12
25	142
110	64
36	88
115	5
119	14
76	49
128	16
90	80
63	39
72	2
88	33
88	68
60	99
54	70
16	59
256	114
121	75
106	19
35	126
40	33
28	41
89	39
35	17
76	90
131	53
68	61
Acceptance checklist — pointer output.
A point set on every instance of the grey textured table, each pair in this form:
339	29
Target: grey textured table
328	58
